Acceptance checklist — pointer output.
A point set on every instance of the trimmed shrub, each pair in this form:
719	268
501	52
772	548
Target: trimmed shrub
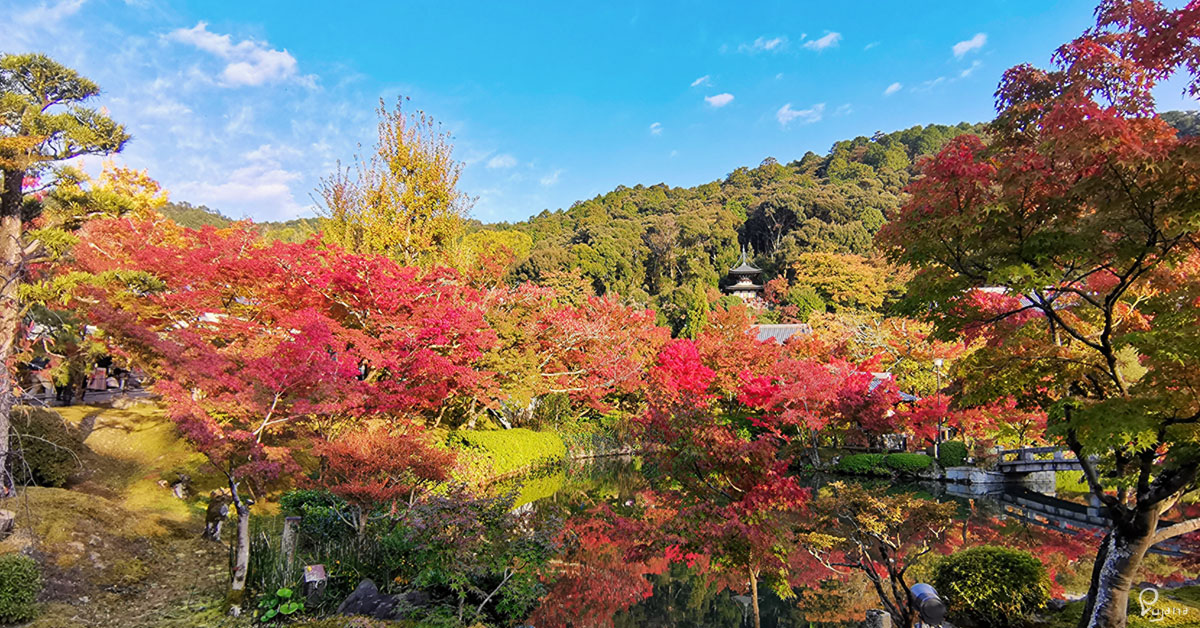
319	514
910	464
861	464
992	586
513	450
20	583
952	454
49	447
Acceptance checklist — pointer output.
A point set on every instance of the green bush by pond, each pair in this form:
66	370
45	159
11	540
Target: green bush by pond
508	451
910	464
20	582
992	586
952	454
861	464
884	464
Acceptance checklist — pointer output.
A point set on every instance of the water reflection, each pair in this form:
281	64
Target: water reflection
617	567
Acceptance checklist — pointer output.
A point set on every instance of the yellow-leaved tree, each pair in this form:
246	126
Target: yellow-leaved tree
403	201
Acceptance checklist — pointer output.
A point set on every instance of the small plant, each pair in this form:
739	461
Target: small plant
952	454
280	603
20	582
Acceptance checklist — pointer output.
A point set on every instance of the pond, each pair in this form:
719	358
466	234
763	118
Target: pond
598	588
614	551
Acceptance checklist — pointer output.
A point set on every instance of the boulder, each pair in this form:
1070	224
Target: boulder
414	599
7	521
368	601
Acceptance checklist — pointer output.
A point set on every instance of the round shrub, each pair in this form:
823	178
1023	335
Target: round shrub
952	454
20	583
48	447
861	464
992	586
910	464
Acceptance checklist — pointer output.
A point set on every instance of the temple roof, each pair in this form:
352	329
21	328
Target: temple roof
742	287
780	332
744	267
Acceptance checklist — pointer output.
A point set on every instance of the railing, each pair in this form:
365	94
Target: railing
1025	459
1027	453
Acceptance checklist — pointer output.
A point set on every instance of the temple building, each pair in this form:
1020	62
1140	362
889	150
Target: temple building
743	286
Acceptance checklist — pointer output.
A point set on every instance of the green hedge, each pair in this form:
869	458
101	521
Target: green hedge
862	464
992	586
508	451
952	454
883	464
910	464
20	583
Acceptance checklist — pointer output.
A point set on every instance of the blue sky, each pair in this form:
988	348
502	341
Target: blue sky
243	106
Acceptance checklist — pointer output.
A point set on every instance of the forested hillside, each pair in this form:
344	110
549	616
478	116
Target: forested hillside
197	216
670	247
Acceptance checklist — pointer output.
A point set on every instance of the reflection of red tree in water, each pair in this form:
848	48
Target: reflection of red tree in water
606	558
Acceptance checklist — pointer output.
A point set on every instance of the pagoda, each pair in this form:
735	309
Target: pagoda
743	285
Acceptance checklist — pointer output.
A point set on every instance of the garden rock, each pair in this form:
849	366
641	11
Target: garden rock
414	599
367	600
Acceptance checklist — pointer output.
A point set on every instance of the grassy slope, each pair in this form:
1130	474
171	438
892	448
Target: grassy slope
117	548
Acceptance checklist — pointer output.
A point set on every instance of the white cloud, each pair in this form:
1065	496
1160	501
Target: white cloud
830	39
786	114
970	45
763	44
971	70
703	80
844	110
930	84
264	185
272	153
551	178
159	103
870	45
720	100
892	89
656	128
503	160
47	13
249	62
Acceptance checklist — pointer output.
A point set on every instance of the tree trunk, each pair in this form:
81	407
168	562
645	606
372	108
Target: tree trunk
10	311
1116	569
754	597
241	560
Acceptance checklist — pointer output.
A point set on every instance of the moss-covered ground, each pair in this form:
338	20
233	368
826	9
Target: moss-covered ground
117	548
